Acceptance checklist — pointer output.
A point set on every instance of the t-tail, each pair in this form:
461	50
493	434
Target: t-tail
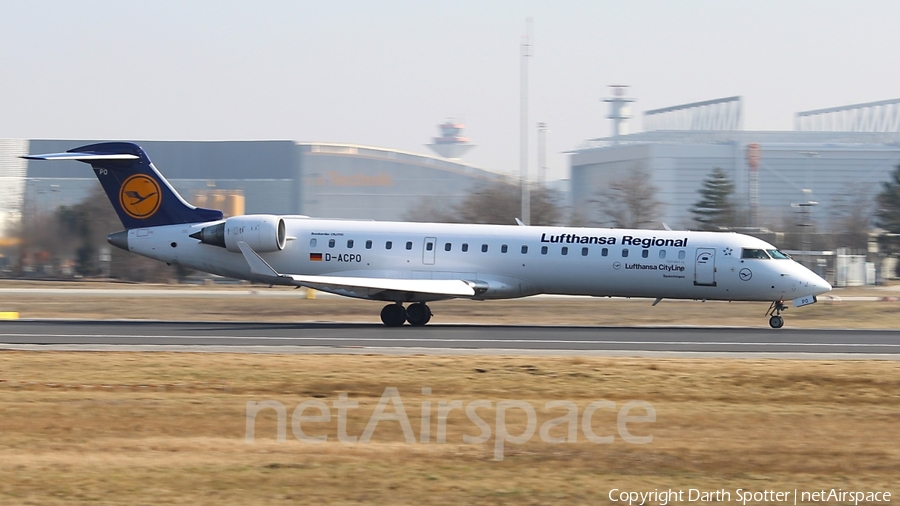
140	195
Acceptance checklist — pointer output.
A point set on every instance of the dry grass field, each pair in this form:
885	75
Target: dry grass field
169	428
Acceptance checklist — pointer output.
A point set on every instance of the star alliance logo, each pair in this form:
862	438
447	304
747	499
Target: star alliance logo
727	252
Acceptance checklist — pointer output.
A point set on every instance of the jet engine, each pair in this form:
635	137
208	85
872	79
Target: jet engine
264	233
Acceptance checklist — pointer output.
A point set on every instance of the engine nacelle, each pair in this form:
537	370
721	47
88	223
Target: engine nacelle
264	233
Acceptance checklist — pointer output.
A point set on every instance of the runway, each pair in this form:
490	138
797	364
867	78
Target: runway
449	339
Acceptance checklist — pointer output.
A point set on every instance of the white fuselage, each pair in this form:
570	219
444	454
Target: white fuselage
508	261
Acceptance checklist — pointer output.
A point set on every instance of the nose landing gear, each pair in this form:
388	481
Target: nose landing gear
774	314
394	315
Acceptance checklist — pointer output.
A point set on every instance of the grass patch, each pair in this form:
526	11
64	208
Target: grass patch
169	428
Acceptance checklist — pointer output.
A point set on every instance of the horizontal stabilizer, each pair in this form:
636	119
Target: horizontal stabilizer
83	157
451	287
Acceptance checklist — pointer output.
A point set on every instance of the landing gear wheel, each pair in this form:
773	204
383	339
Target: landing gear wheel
776	322
393	315
418	314
774	312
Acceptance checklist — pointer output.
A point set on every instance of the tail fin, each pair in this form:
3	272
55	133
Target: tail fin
140	195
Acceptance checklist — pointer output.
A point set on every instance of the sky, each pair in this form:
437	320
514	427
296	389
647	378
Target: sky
385	73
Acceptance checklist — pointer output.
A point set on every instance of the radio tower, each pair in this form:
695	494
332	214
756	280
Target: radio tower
523	153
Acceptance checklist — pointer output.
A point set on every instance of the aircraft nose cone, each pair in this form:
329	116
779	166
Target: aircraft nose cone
816	285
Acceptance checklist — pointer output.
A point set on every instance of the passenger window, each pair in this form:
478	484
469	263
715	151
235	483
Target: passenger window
584	251
409	245
624	252
465	247
662	253
484	248
645	253
565	250
681	255
543	250
330	243
754	253
447	247
604	252
350	243
429	246
524	249
388	245
312	242
368	244
504	248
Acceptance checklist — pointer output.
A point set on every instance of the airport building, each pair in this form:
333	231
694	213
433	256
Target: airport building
326	180
833	156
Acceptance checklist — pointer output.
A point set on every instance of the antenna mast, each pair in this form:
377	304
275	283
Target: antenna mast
523	152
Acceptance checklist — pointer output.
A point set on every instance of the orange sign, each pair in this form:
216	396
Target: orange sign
140	196
753	155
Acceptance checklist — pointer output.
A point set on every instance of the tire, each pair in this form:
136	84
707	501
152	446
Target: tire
776	322
393	315
418	314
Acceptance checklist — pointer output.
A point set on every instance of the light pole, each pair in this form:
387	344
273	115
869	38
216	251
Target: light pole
542	154
809	155
523	112
805	208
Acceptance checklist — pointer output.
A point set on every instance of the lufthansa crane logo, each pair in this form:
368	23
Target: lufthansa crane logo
140	196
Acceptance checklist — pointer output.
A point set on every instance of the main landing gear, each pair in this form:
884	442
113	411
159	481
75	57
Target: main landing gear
774	314
394	315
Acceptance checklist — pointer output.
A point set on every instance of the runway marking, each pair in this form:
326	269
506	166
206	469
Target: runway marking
453	340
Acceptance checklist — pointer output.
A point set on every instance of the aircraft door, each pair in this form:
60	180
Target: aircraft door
705	267
428	251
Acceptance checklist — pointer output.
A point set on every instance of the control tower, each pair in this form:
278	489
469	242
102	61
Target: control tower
450	144
619	110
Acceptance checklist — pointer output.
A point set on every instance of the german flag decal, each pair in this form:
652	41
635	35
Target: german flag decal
315	257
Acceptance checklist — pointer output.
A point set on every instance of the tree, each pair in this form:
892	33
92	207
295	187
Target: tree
629	202
498	203
887	216
715	209
76	233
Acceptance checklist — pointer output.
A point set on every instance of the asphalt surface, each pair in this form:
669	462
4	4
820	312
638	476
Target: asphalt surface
487	339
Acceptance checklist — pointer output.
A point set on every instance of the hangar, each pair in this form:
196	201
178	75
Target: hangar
831	156
327	180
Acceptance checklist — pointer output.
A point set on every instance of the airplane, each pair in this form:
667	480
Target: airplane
417	263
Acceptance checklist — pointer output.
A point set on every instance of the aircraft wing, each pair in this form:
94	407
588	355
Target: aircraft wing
356	286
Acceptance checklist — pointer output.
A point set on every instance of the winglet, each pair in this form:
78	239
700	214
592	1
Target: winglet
258	266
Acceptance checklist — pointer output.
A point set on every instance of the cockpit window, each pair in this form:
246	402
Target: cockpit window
777	255
754	253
